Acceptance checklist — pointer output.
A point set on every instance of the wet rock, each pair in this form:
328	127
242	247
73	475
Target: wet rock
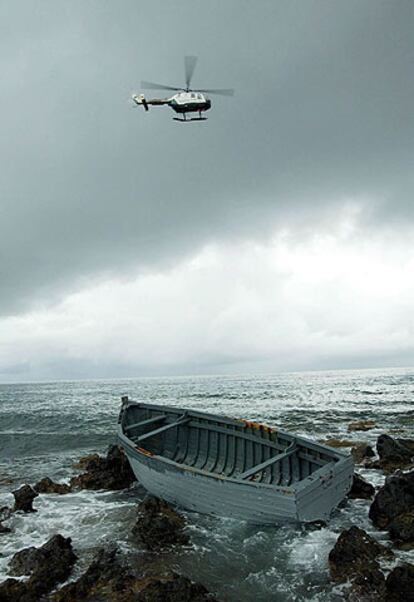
354	558
111	472
104	573
46	485
84	461
361	489
402	527
13	590
174	588
47	566
53	560
400	584
5	513
332	442
158	525
394	453
108	578
361	452
23	499
361	425
394	498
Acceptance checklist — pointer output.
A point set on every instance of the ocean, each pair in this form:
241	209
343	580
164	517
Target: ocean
46	427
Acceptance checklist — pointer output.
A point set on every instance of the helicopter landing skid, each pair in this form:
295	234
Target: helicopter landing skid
190	119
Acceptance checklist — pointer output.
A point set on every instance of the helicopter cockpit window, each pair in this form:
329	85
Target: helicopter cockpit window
199	97
193	95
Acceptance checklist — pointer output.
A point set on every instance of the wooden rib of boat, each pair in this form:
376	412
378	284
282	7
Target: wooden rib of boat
229	467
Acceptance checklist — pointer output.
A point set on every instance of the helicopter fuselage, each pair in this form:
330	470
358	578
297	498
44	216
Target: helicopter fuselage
182	102
189	102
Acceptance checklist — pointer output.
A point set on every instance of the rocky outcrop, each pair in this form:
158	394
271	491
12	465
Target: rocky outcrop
361	452
394	453
401	528
396	497
111	472
23	499
158	525
5	513
354	559
400	584
46	485
47	566
361	489
110	579
361	425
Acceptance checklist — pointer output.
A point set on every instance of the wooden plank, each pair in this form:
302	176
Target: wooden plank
145	422
237	433
265	464
162	429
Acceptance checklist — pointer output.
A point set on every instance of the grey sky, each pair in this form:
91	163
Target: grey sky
94	188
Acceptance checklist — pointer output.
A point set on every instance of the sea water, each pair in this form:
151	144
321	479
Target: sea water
46	427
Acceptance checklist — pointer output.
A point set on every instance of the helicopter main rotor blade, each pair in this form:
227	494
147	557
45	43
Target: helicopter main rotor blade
222	91
153	86
189	64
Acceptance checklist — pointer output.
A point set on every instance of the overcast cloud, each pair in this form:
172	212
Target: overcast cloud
105	210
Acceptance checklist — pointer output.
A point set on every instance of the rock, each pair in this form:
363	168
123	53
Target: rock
158	525
13	590
394	498
402	527
5	513
46	485
53	560
400	584
47	566
24	499
394	453
174	588
108	578
112	472
361	425
361	489
362	451
84	461
354	559
332	442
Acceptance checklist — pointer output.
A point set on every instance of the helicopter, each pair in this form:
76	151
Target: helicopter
186	100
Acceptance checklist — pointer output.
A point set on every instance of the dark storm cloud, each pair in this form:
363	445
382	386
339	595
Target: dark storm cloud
90	185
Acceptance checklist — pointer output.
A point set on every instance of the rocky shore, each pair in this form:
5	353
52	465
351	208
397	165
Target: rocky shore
367	570
111	576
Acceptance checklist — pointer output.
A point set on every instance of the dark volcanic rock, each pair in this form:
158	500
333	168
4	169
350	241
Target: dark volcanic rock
354	559
361	489
158	525
46	485
13	590
23	499
394	498
52	561
400	584
402	527
361	452
47	566
394	452
174	588
5	513
112	472
110	579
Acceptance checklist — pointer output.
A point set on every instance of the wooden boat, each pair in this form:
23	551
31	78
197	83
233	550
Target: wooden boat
229	467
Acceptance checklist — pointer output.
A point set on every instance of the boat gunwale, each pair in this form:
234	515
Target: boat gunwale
330	468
